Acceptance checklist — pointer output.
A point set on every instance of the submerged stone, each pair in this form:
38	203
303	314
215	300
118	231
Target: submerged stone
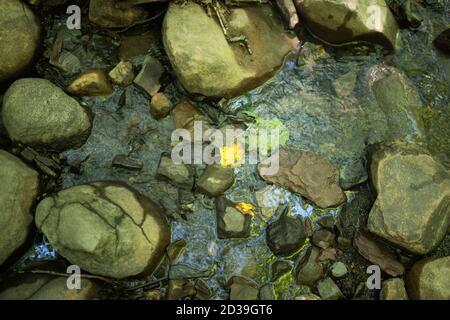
309	174
181	175
286	235
149	75
400	101
208	64
105	14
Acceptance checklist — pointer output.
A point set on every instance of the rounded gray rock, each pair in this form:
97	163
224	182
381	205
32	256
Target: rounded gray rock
19	36
18	191
37	112
106	228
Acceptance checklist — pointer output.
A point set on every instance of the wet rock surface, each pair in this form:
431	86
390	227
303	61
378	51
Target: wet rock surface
309	270
106	228
428	279
105	14
93	82
20	35
412	206
207	64
393	289
37	112
286	235
46	287
18	192
378	254
231	223
215	180
338	21
309	174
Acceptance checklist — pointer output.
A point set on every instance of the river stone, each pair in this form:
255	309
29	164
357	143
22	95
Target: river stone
393	289
18	191
105	14
46	287
242	288
338	269
181	175
309	270
38	113
215	180
106	228
328	290
280	268
378	254
231	223
309	174
207	64
286	235
19	36
412	208
323	238
398	98
341	21
428	279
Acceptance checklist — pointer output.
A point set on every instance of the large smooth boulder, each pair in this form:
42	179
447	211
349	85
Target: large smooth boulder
412	208
46	287
38	113
19	186
428	279
106	228
206	63
341	21
19	37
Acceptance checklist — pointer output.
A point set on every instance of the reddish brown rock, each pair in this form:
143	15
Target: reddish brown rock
378	255
308	174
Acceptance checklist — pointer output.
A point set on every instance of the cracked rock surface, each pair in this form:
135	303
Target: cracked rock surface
106	228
